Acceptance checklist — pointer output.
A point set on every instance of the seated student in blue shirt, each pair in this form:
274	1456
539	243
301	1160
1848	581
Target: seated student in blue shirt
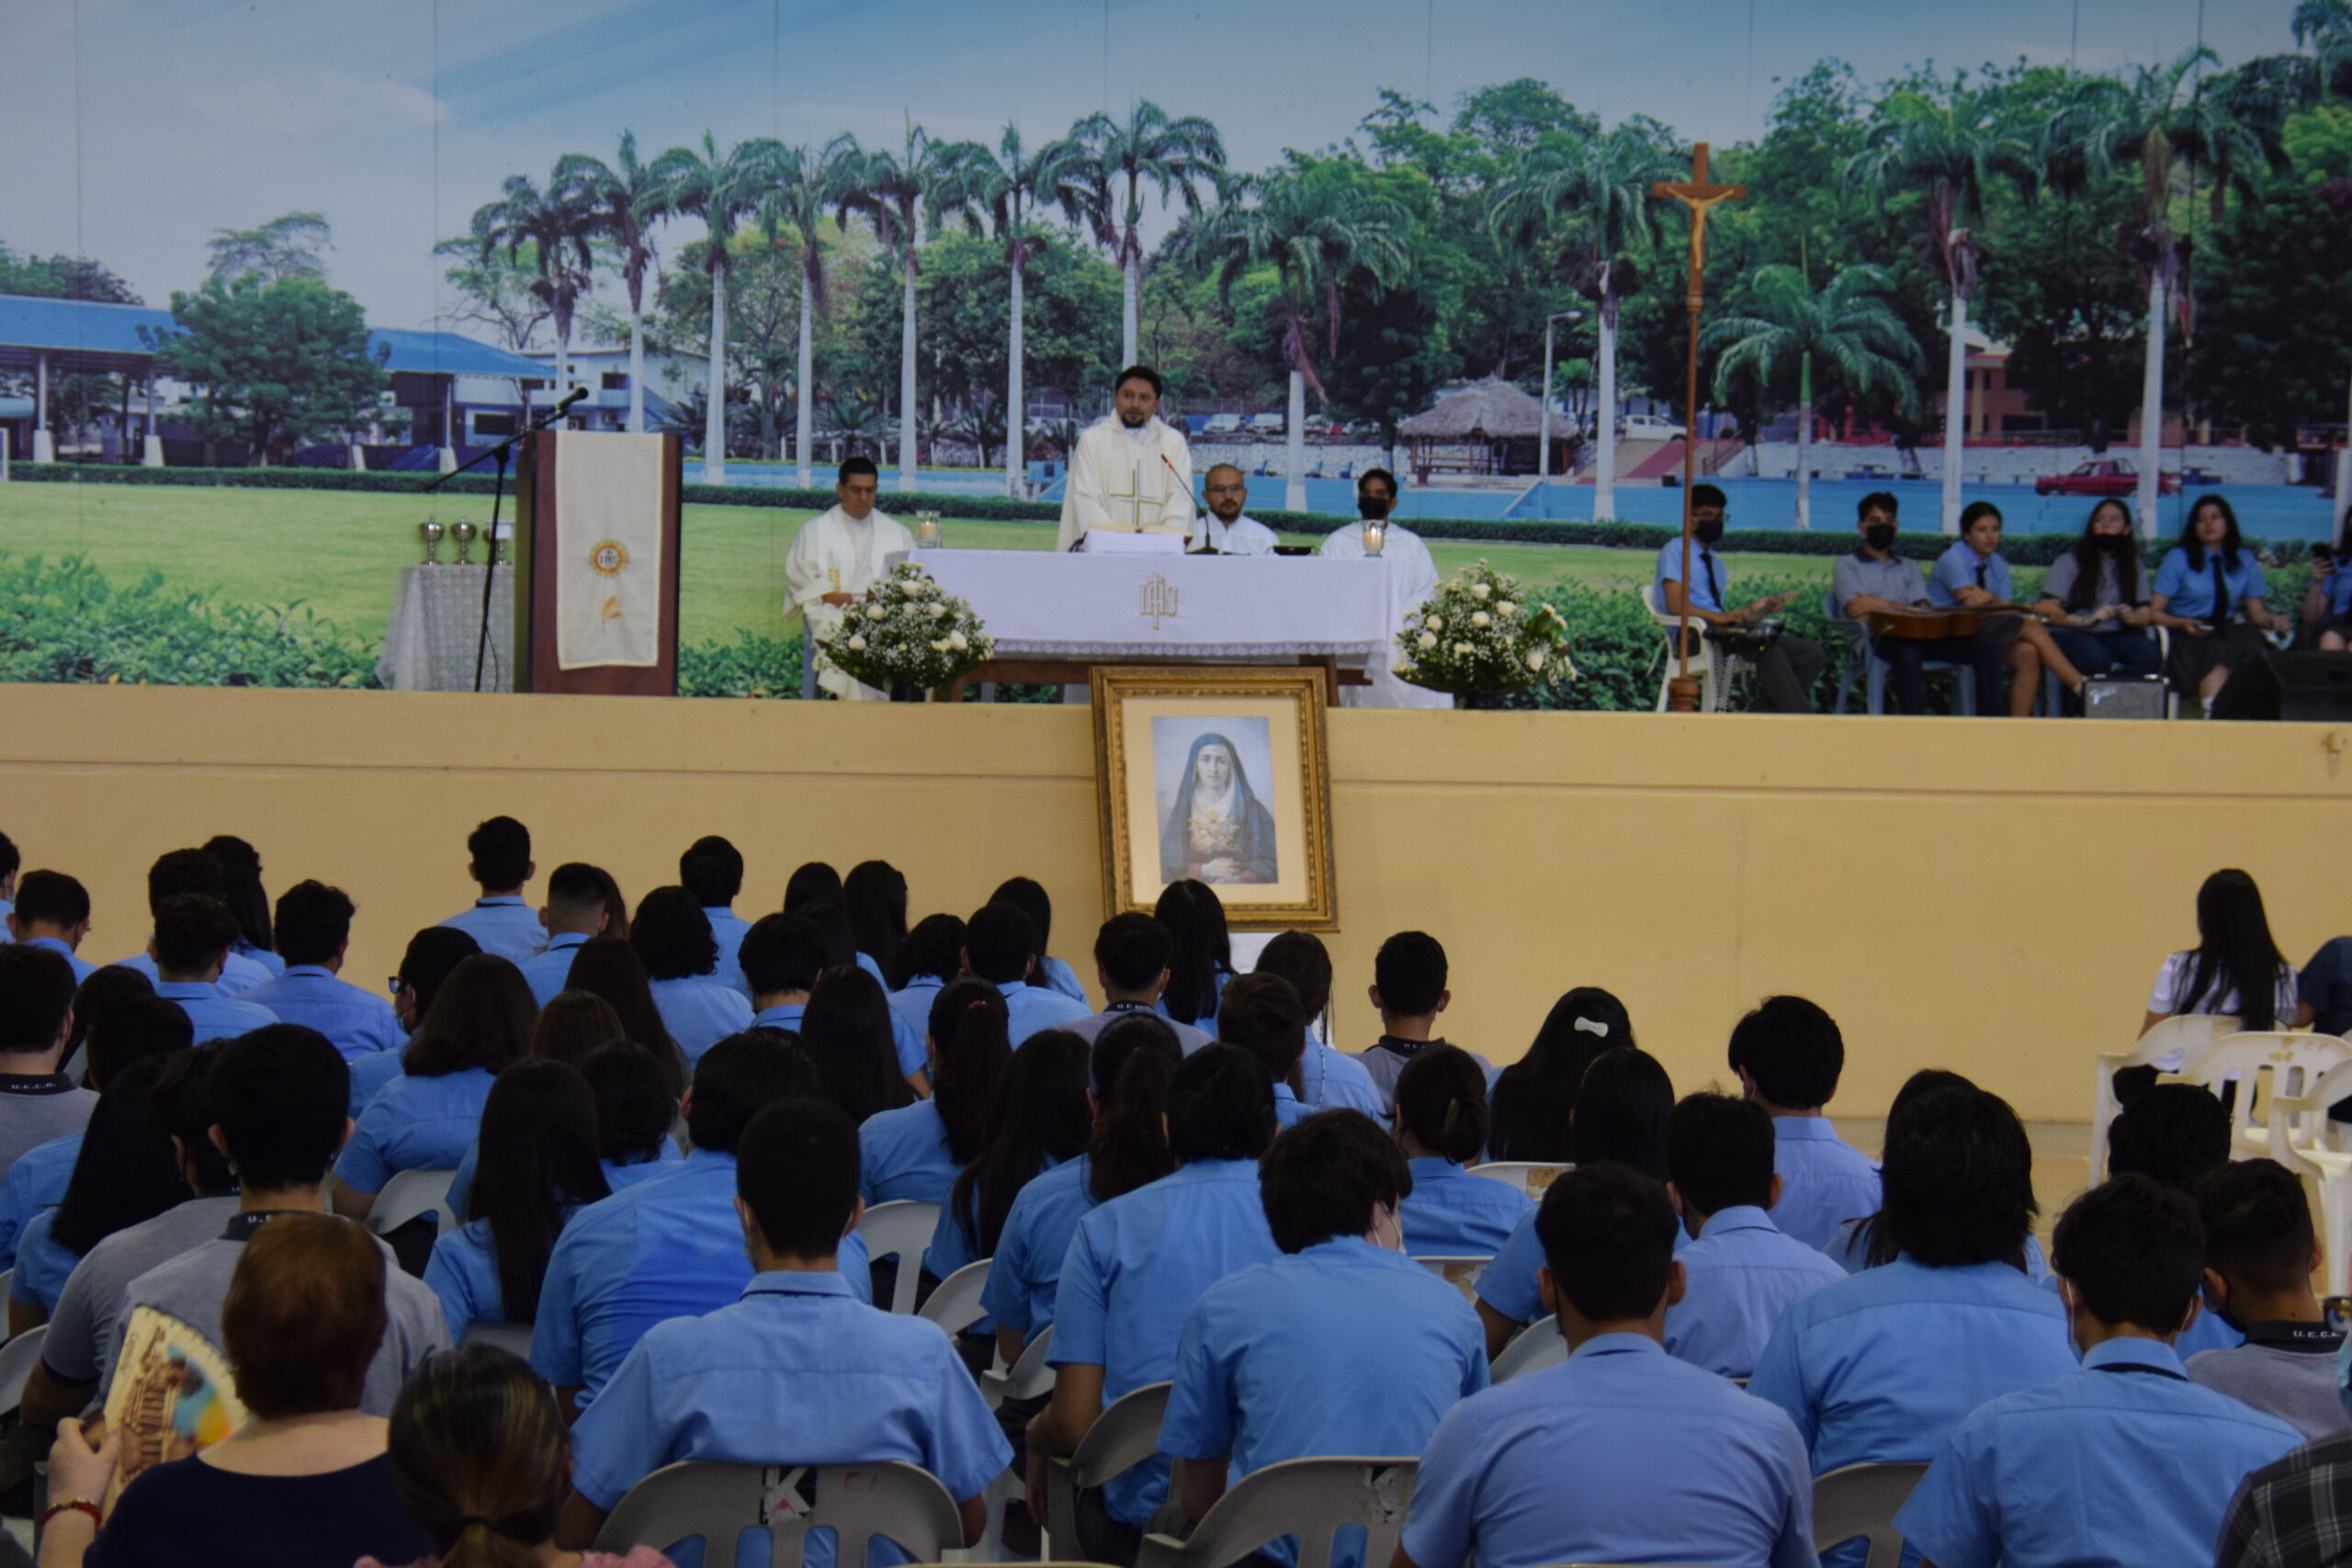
712	870
1263	1015
1327	1078
1001	947
1442	1122
53	910
1029	896
781	955
1534	1100
932	956
1135	1268
573	913
1408	992
432	956
313	935
1044	1119
499	920
874	895
2094	1470
191	941
1787	667
1863	1243
797	1371
196	872
915	1152
1789	1054
1342	1346
242	890
2095	601
2174	1133
1132	954
1740	1271
1202	962
1884	1365
2327	603
1622	1453
427	1118
673	936
2261	1255
2210	593
1972	572
848	1032
124	1175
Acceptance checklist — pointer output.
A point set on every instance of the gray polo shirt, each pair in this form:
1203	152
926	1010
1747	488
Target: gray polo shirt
37	1107
1385	1061
82	1327
2296	1386
1896	581
1188	1039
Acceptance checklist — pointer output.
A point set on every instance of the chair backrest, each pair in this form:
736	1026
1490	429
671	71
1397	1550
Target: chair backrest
1462	1273
2172	1042
900	1229
1530	1176
1863	1500
1123	1436
17	1359
2326	1090
409	1194
515	1338
1539	1344
2265	1063
955	1305
1656	606
1026	1378
1313	1499
712	1503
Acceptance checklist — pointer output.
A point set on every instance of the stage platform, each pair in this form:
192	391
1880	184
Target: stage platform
1990	895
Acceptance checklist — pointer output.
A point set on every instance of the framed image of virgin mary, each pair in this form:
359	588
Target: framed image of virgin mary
1217	774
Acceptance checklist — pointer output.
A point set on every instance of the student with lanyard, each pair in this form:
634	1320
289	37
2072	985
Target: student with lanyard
1263	1015
1441	1127
1787	667
1535	1098
1328	1078
1132	954
2204	584
712	870
500	865
196	872
2095	600
1409	975
1875	578
53	910
932	956
37	1102
913	1153
797	1370
314	934
574	912
2125	1462
1001	947
2260	1254
189	950
1972	572
2327	603
673	939
1789	1056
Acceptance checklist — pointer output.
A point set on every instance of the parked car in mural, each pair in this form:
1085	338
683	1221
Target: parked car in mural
2105	476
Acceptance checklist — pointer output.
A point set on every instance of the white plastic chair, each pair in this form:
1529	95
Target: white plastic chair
1539	1344
1026	1378
1711	662
901	1230
1863	1500
409	1194
2325	1161
2268	1066
515	1338
1313	1499
1530	1176
956	1304
1123	1436
1462	1273
2172	1042
713	1502
17	1359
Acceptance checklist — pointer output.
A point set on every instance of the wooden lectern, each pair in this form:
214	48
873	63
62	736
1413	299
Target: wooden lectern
596	553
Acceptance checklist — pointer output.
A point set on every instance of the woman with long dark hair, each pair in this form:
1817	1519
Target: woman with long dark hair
2236	969
1442	1125
1045	1119
847	1030
874	894
1218	830
1535	1096
572	1024
242	890
673	939
1326	1079
609	967
916	1151
2204	585
2095	600
125	1175
1028	895
1202	963
932	956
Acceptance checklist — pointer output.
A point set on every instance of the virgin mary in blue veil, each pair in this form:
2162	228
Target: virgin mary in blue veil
1217	832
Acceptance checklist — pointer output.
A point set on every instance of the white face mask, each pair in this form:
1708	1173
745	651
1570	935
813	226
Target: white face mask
1387	1230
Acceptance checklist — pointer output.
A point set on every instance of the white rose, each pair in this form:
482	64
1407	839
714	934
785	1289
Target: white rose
1462	650
1480	591
1535	659
857	644
1425	642
1435	622
1482	620
875	612
940	646
1506	608
939	612
958	641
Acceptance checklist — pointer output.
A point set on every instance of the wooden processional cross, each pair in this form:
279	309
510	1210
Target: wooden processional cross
1700	196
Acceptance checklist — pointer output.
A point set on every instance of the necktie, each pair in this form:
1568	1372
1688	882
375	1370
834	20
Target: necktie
1982	570
2220	616
1715	590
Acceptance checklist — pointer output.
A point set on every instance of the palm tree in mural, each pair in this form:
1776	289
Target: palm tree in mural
617	195
1849	324
810	185
1591	196
2163	120
725	191
895	190
1117	159
1956	151
557	223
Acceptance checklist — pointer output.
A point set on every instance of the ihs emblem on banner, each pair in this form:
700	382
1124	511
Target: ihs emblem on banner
1159	600
608	559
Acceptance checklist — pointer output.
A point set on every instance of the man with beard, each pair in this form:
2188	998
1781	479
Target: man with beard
1787	668
1412	577
1130	473
1227	530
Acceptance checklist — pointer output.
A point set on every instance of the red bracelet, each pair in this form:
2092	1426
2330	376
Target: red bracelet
73	1507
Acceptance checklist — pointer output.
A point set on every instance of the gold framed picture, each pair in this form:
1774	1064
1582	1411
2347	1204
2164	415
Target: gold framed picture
1220	775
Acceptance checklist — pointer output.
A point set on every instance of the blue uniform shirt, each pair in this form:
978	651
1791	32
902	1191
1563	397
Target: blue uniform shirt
1708	577
669	1158
1135	1268
261	955
786	1018
1740	1274
1621	1454
369	1076
1824	1180
2338	598
504	926
903	1154
42	1265
2189	588
1508	1285
1028	1263
215	1014
82	968
1288	1112
463	1271
727	928
2123	1462
238	973
1960	567
1029	1009
1453	1214
1336	1080
414	1123
1847	1250
550	968
699	1013
951	1248
37	1181
355	1021
1056	976
910	1009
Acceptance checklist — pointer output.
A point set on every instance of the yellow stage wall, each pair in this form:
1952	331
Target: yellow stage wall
1989	896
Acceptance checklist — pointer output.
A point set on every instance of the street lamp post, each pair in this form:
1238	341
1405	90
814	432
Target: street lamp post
1544	453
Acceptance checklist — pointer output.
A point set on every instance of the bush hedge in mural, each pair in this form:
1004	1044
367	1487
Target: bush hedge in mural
65	621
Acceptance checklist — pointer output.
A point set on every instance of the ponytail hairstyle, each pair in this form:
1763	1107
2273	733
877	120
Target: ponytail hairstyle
1441	1103
538	1159
935	949
1135	1058
478	1451
1535	1096
1045	1119
2234	952
971	1053
1195	917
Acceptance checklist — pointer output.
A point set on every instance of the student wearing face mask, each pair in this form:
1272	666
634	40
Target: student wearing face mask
1787	668
1875	578
2095	598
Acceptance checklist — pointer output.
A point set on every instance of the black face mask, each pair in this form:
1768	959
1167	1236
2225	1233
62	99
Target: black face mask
2113	544
1879	536
1708	530
1374	507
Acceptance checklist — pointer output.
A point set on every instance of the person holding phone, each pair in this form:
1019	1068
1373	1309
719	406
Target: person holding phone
2327	603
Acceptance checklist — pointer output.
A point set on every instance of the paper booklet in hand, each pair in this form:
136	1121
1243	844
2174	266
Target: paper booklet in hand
172	1395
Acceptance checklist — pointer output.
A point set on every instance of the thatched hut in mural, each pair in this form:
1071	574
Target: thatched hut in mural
1486	427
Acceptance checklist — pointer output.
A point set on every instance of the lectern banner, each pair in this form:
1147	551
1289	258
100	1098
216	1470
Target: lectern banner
608	587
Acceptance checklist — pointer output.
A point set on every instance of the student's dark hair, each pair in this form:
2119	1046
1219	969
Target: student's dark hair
712	870
1719	1152
125	1173
1028	894
1622	1111
1884	500
973	1050
1220	1106
131	1028
1132	1060
813	882
183	871
1974	512
1301	958
572	1024
635	1110
1535	1098
432	956
609	967
1608	1237
1261	1014
313	922
856	467
1707	495
874	894
1194	917
780	954
1871	1235
36	993
279	1095
2232	542
10	858
1442	1101
672	935
501	851
576	895
481	1017
1328	1175
1382	476
2174	1132
1957	1180
1145	374
1132	951
847	1034
1044	1117
796	1170
935	949
2091	559
1410	971
1000	943
539	1158
1793	1051
617	923
2257	1223
479	1457
741	1075
304	1315
192	933
241	887
183	1102
831	921
2134	1251
2235	952
51	898
105	987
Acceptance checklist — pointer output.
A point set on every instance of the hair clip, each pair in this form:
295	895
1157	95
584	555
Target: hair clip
1593	1026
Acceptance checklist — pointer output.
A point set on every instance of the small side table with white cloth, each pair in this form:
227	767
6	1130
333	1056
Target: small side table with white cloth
429	642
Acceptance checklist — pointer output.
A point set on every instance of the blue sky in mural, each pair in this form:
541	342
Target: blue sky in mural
137	127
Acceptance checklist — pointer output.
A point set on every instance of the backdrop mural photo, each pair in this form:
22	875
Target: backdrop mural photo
266	270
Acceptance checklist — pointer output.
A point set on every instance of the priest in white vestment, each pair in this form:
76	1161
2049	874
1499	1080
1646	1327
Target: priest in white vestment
1224	527
1412	577
1130	471
836	559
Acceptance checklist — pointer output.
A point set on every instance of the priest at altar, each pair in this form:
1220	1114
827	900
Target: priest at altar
837	557
1130	472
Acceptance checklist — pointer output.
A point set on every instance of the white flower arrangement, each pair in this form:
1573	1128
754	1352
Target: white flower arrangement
911	633
1495	644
